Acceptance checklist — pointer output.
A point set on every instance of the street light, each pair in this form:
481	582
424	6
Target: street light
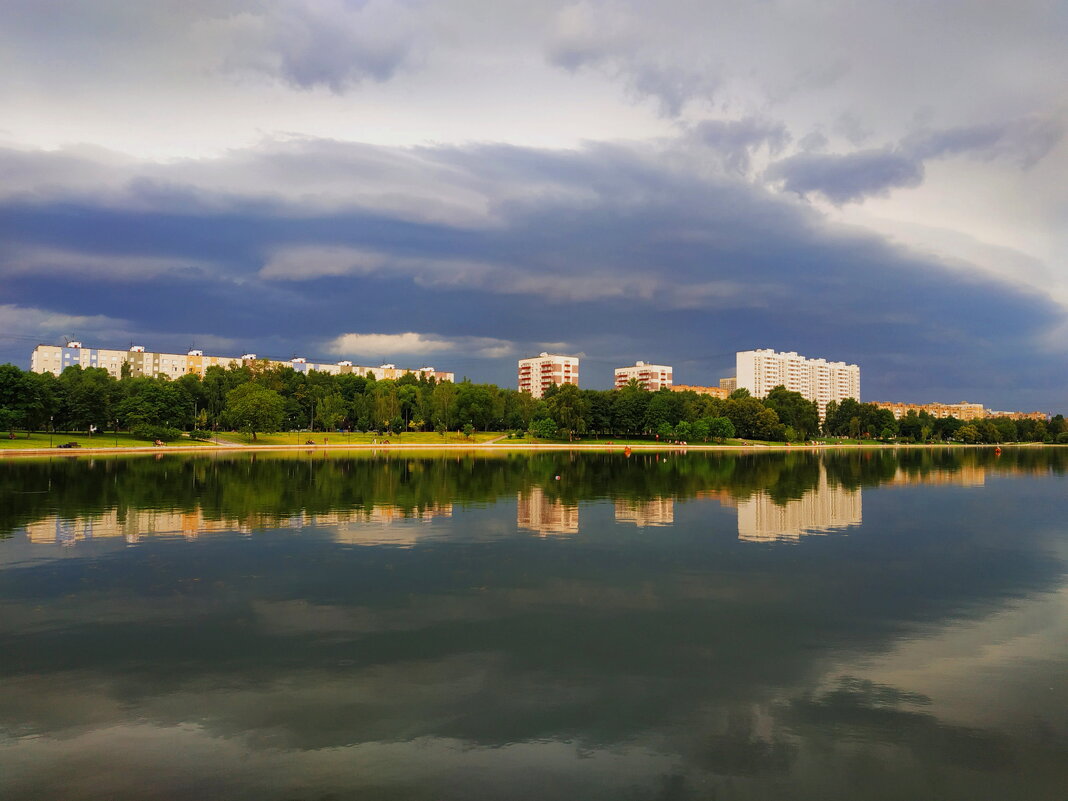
51	428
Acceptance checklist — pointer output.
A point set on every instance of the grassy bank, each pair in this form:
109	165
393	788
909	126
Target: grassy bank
43	440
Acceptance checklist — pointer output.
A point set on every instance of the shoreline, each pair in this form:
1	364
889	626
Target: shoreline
494	445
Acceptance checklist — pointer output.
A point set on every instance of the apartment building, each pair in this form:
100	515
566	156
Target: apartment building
540	372
715	392
730	384
55	359
962	410
651	376
819	380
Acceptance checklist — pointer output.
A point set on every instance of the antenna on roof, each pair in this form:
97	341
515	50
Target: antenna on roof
67	339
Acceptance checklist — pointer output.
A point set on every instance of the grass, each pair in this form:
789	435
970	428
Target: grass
107	440
334	438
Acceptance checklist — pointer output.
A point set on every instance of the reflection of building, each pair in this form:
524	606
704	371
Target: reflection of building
651	376
132	526
819	511
540	372
137	524
54	359
536	512
760	371
963	476
657	512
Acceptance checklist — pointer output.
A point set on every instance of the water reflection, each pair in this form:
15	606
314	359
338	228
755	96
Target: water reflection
638	651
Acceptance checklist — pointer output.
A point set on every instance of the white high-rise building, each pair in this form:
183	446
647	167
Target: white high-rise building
760	371
540	372
651	376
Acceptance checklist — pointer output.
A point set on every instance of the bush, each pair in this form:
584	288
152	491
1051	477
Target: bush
1062	439
543	428
197	433
152	433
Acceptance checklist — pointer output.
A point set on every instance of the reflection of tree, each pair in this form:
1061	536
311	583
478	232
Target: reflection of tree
263	487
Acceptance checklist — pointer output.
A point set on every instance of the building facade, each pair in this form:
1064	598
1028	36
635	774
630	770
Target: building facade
55	359
962	410
819	380
715	392
651	376
730	384
540	372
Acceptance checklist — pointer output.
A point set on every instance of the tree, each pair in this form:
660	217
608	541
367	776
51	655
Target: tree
15	397
568	407
794	411
544	428
330	410
253	409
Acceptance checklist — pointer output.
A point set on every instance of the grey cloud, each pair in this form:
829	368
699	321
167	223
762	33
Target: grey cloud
1024	142
737	139
847	178
850	177
328	43
598	232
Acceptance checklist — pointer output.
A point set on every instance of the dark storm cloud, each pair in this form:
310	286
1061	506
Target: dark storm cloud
617	252
851	177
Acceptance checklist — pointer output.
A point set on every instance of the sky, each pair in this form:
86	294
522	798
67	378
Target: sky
463	183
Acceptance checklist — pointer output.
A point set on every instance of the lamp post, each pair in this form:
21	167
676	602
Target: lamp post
51	428
116	433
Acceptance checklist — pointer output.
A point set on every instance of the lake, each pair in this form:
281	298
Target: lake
861	625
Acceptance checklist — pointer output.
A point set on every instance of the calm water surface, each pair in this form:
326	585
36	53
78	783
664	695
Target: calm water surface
555	626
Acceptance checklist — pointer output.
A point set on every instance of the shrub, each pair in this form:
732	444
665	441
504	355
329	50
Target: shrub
1062	439
197	433
152	433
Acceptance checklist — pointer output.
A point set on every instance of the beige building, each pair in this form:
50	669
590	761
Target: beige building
819	380
651	376
540	372
715	392
962	410
55	359
730	384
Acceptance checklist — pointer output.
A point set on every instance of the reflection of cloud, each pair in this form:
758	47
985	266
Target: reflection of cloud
537	512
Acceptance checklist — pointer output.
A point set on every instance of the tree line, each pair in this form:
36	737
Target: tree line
257	397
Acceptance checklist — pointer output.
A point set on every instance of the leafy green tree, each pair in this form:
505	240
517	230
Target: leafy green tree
330	410
794	411
567	406
720	428
254	410
16	394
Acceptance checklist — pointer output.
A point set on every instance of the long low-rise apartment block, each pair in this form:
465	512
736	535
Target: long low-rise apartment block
961	411
819	380
715	392
55	359
650	376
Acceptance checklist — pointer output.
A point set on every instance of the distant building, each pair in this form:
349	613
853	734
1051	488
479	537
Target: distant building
540	372
715	392
55	359
819	380
651	376
729	384
962	410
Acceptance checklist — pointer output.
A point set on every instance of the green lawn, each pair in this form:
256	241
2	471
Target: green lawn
319	438
41	440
